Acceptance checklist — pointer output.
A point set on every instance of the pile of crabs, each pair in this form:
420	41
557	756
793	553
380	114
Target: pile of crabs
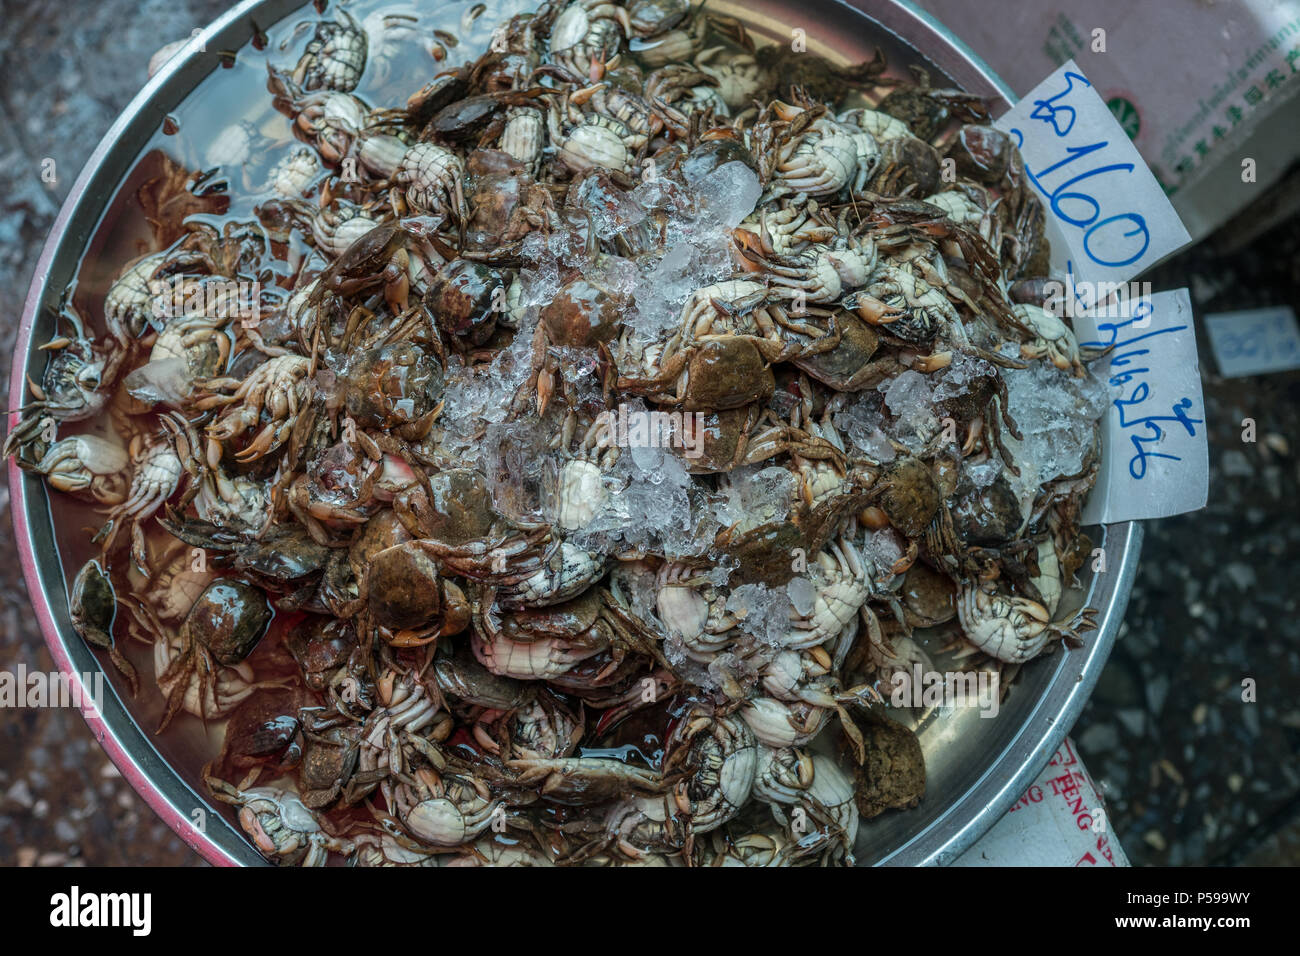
375	500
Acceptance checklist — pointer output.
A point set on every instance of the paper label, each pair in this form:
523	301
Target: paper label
1111	212
1155	459
1059	821
1254	341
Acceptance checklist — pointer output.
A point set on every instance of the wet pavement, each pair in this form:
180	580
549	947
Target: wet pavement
1193	774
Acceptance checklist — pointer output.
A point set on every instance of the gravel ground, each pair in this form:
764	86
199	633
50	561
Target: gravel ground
1193	775
61	801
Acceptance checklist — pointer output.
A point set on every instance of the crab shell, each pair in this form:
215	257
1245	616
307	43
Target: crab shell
431	174
726	756
777	724
1011	629
442	822
593	145
536	660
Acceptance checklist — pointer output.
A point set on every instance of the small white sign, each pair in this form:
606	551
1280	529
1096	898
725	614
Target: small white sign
1110	210
1060	821
1254	341
1155	460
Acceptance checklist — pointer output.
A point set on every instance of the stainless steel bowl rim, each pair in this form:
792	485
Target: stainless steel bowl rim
1008	774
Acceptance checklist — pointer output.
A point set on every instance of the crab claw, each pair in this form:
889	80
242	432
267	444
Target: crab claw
752	246
265	441
784	111
873	310
580	97
932	363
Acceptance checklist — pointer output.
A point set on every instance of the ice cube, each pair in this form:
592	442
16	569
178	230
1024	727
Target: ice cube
861	424
1058	415
161	382
956	380
802	594
649	459
729	193
763	612
911	402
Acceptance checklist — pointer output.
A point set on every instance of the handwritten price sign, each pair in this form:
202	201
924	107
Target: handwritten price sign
1254	341
1154	457
1111	215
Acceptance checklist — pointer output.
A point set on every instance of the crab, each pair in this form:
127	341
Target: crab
718	372
392	255
693	612
905	304
523	134
92	606
335	57
589	139
587	34
187	675
788	778
429	179
1052	340
822	273
127	308
335	226
279	824
580	781
293	174
739	76
74	387
552	577
155	475
680	85
804	675
189	348
784	230
231	503
816	155
581	490
278	388
333	122
724	753
532	660
1012	629
879	126
843	585
87	466
732	307
405	711
777	723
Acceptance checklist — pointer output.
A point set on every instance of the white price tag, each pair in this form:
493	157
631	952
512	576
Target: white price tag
1108	207
1155	461
1254	341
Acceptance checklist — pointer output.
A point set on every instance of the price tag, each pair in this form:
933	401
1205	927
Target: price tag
1155	461
1254	341
1108	210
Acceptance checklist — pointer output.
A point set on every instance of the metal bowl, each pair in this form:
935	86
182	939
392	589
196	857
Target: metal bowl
977	768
